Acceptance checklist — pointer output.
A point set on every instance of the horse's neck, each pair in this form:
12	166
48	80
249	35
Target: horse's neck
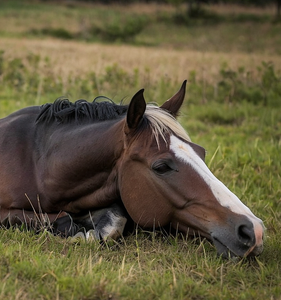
81	163
88	144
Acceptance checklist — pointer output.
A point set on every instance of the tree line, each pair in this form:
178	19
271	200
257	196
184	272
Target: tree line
196	3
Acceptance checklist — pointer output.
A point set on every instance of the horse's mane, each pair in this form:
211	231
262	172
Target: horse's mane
64	111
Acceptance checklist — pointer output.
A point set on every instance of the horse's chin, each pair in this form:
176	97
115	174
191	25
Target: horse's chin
225	252
222	249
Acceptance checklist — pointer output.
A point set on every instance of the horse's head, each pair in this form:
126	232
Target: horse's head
164	180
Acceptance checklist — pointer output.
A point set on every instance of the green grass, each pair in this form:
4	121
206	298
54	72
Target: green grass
145	265
235	116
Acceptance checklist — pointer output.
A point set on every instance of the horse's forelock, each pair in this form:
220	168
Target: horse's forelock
163	123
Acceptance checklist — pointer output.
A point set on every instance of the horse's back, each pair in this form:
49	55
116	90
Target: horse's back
31	110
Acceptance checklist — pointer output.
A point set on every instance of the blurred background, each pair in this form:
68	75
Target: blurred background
226	49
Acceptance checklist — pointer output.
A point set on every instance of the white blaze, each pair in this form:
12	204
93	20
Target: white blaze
184	152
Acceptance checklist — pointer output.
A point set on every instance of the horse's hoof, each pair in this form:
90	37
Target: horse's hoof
91	235
78	237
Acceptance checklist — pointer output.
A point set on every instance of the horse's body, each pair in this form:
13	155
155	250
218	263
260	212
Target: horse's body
76	158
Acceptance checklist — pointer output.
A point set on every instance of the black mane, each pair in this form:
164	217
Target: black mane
64	111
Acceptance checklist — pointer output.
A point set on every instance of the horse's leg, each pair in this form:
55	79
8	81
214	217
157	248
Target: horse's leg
64	226
100	224
37	221
103	223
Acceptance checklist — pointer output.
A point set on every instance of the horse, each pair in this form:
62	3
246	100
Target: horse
97	164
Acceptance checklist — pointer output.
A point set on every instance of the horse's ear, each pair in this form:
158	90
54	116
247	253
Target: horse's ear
135	111
174	104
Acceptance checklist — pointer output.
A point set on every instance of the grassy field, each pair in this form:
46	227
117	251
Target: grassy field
232	109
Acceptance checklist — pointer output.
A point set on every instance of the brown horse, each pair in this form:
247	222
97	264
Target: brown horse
85	162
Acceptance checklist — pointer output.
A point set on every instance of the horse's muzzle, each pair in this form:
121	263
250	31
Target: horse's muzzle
245	239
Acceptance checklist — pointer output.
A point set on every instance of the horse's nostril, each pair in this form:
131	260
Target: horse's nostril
246	234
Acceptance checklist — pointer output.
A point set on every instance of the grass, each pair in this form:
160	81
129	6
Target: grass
232	109
47	267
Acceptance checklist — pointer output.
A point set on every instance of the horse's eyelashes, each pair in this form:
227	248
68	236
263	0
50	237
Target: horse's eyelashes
162	168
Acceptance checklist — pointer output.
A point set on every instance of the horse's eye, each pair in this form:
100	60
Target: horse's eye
162	168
